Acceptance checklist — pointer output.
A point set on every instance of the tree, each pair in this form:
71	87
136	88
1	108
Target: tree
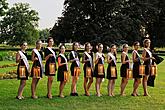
19	25
105	21
3	7
44	34
159	26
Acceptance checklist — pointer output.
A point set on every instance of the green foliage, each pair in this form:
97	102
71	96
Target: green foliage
106	21
44	34
3	7
19	25
9	89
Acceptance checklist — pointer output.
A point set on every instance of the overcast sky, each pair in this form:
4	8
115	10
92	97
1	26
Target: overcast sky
48	10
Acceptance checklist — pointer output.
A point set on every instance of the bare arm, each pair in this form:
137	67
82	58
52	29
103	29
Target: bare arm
134	57
18	58
108	59
96	59
144	56
48	56
33	56
59	62
83	59
123	59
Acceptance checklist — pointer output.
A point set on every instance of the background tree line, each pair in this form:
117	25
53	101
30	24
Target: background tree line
19	23
111	21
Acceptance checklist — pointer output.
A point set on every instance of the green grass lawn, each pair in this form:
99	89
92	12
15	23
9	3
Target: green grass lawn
8	91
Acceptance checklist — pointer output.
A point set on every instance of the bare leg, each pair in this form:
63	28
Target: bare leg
21	87
75	83
98	84
49	86
62	84
136	85
112	88
123	85
33	87
145	78
109	88
85	86
90	83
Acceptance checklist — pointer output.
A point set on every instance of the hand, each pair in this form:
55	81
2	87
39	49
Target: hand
76	59
22	58
35	58
92	69
50	55
65	63
87	60
152	58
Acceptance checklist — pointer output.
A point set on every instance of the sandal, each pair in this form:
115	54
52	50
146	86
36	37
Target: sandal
49	96
18	97
34	97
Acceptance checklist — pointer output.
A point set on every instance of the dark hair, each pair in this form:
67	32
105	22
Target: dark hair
22	43
145	41
114	52
61	46
74	43
124	45
135	43
86	45
112	45
38	41
49	39
99	44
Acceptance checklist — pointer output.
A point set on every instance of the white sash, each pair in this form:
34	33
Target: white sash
136	53
100	55
24	60
52	52
39	58
113	57
130	65
77	61
90	58
150	54
65	60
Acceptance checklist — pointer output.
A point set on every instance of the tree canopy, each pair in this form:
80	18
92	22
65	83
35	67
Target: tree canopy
108	21
19	24
3	7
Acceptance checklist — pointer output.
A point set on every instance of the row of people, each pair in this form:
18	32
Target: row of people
93	67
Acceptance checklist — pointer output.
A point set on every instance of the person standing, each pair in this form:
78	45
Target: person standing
148	61
123	69
111	70
88	60
99	72
62	74
75	67
136	65
23	69
37	68
50	66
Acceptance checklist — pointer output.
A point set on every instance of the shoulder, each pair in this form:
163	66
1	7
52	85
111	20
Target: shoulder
123	54
54	49
46	50
59	56
144	50
71	52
